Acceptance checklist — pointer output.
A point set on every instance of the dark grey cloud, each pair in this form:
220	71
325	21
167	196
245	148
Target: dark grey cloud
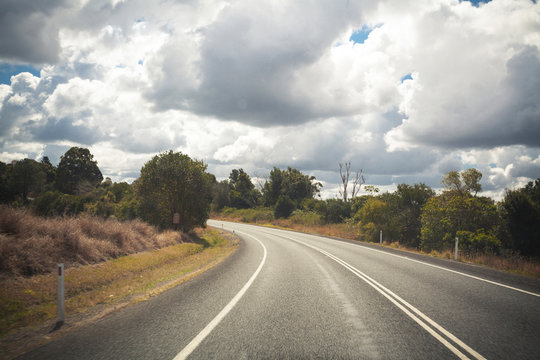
54	129
28	32
248	62
506	115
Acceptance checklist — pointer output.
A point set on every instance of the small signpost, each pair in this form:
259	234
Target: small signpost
60	294
456	249
176	220
380	238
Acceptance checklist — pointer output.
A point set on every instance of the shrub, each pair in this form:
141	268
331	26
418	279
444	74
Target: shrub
479	241
284	207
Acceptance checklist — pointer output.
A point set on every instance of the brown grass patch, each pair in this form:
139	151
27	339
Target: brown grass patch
31	245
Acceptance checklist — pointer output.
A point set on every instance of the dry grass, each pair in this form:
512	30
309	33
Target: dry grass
26	302
31	245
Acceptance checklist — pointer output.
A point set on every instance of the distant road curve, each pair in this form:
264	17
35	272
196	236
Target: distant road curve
292	295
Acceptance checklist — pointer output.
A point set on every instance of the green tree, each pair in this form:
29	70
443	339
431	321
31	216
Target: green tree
520	210
243	194
333	211
27	177
50	170
374	216
6	192
284	207
174	183
77	172
407	208
292	183
466	182
446	214
221	191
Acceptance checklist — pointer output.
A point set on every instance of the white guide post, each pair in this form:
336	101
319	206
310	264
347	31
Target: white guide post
60	293
380	238
456	249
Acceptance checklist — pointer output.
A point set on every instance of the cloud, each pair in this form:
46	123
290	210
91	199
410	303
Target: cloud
433	86
475	84
28	32
243	66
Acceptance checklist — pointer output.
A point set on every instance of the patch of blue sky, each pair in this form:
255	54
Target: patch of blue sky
476	3
406	77
359	36
9	70
140	62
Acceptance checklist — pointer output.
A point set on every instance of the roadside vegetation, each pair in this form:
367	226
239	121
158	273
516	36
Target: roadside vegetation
174	186
504	235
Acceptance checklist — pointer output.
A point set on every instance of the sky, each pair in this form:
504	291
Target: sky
404	90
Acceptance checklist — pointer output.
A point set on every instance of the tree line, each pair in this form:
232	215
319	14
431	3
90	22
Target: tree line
172	183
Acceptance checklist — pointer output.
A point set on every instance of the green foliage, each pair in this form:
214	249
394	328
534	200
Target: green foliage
77	172
444	215
50	170
242	193
290	183
466	182
220	192
284	207
520	210
55	203
27	177
476	242
406	205
260	214
308	218
374	216
333	211
6	192
174	183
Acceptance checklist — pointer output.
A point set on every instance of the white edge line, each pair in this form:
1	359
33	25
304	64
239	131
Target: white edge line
435	266
450	270
197	340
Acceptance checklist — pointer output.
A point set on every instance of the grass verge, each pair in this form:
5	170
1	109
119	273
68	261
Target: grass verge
28	304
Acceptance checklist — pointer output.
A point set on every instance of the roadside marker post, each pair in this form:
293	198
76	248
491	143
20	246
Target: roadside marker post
60	294
380	238
456	249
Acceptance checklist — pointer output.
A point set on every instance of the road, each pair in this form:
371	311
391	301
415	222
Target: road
288	295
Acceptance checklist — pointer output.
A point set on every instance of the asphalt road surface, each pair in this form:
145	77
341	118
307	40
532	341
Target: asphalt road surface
287	295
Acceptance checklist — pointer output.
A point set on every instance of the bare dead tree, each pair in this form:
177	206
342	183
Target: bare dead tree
357	182
344	174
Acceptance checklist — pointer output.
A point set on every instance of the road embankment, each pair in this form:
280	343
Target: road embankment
28	304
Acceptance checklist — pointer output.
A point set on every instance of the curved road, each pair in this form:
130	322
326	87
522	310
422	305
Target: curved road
288	295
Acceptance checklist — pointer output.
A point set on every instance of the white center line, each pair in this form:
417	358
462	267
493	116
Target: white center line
407	308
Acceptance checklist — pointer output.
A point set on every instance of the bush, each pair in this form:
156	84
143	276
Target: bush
284	207
55	203
334	211
476	242
308	218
